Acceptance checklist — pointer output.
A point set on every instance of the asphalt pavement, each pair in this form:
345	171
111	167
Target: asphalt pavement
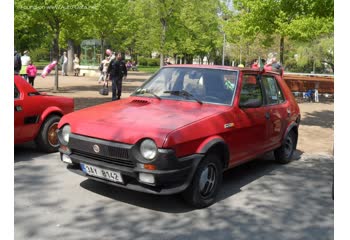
258	200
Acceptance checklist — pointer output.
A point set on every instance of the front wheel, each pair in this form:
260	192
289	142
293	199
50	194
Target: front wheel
205	183
284	153
47	139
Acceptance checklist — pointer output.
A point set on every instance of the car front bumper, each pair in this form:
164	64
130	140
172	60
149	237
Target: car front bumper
171	175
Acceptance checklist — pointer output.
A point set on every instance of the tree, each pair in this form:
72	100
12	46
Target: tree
52	16
299	20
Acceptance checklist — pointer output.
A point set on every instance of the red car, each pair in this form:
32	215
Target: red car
37	115
181	129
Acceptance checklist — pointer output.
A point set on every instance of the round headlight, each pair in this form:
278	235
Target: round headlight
148	149
66	133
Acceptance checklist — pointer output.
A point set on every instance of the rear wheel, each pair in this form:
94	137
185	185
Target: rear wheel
205	183
47	139
284	153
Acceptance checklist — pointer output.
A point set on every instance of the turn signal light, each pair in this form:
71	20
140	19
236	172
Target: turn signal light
149	167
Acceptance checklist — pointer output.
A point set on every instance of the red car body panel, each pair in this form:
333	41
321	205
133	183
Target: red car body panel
131	119
31	110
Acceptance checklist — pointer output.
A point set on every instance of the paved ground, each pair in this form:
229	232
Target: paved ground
259	200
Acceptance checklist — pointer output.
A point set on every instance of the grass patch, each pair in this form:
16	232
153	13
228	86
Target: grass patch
148	69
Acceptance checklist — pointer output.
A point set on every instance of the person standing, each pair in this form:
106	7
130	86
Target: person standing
103	68
25	59
255	64
118	72
31	72
18	63
76	65
64	63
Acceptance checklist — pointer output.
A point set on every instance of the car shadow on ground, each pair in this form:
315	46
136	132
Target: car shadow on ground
233	181
26	152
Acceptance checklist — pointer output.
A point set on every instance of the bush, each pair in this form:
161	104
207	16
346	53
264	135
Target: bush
151	62
40	55
142	61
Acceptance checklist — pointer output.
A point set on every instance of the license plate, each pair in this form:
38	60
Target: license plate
102	173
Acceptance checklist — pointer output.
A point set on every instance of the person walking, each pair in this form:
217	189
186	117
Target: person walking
76	65
118	72
18	63
64	63
103	68
25	59
31	72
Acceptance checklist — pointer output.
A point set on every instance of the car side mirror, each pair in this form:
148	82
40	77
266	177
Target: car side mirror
252	103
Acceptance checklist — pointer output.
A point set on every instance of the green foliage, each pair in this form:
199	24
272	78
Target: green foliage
181	28
148	61
40	54
299	20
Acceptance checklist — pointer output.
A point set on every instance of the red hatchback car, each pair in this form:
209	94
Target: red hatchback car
37	115
181	129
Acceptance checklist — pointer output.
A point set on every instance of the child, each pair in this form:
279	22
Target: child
31	72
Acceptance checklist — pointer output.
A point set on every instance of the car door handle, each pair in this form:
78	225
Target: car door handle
267	115
18	108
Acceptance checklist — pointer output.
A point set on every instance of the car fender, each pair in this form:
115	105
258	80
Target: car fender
212	142
289	128
50	110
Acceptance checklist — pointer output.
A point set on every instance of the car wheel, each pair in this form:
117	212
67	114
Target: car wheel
284	153
205	183
47	139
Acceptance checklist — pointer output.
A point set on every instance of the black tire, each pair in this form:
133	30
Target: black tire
205	183
284	153
47	139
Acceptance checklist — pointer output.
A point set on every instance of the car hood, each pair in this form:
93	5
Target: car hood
135	118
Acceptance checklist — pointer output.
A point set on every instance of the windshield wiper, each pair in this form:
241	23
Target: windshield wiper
143	91
184	93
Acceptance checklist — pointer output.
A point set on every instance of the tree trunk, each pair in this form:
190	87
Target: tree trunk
162	41
70	56
56	55
102	49
282	50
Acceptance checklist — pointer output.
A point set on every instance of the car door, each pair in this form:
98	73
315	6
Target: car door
277	110
18	115
250	132
27	111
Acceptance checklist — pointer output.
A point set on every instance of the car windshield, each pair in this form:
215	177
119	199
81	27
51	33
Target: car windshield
203	85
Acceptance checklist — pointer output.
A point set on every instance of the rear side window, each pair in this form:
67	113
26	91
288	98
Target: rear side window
16	92
272	90
251	90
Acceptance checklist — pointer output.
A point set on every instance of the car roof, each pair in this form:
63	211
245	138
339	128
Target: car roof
220	67
24	84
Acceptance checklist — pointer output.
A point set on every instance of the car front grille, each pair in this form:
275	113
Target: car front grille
101	150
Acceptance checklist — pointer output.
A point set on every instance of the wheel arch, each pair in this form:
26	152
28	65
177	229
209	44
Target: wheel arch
50	111
218	146
295	128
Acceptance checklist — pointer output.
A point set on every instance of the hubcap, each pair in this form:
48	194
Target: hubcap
207	180
52	135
